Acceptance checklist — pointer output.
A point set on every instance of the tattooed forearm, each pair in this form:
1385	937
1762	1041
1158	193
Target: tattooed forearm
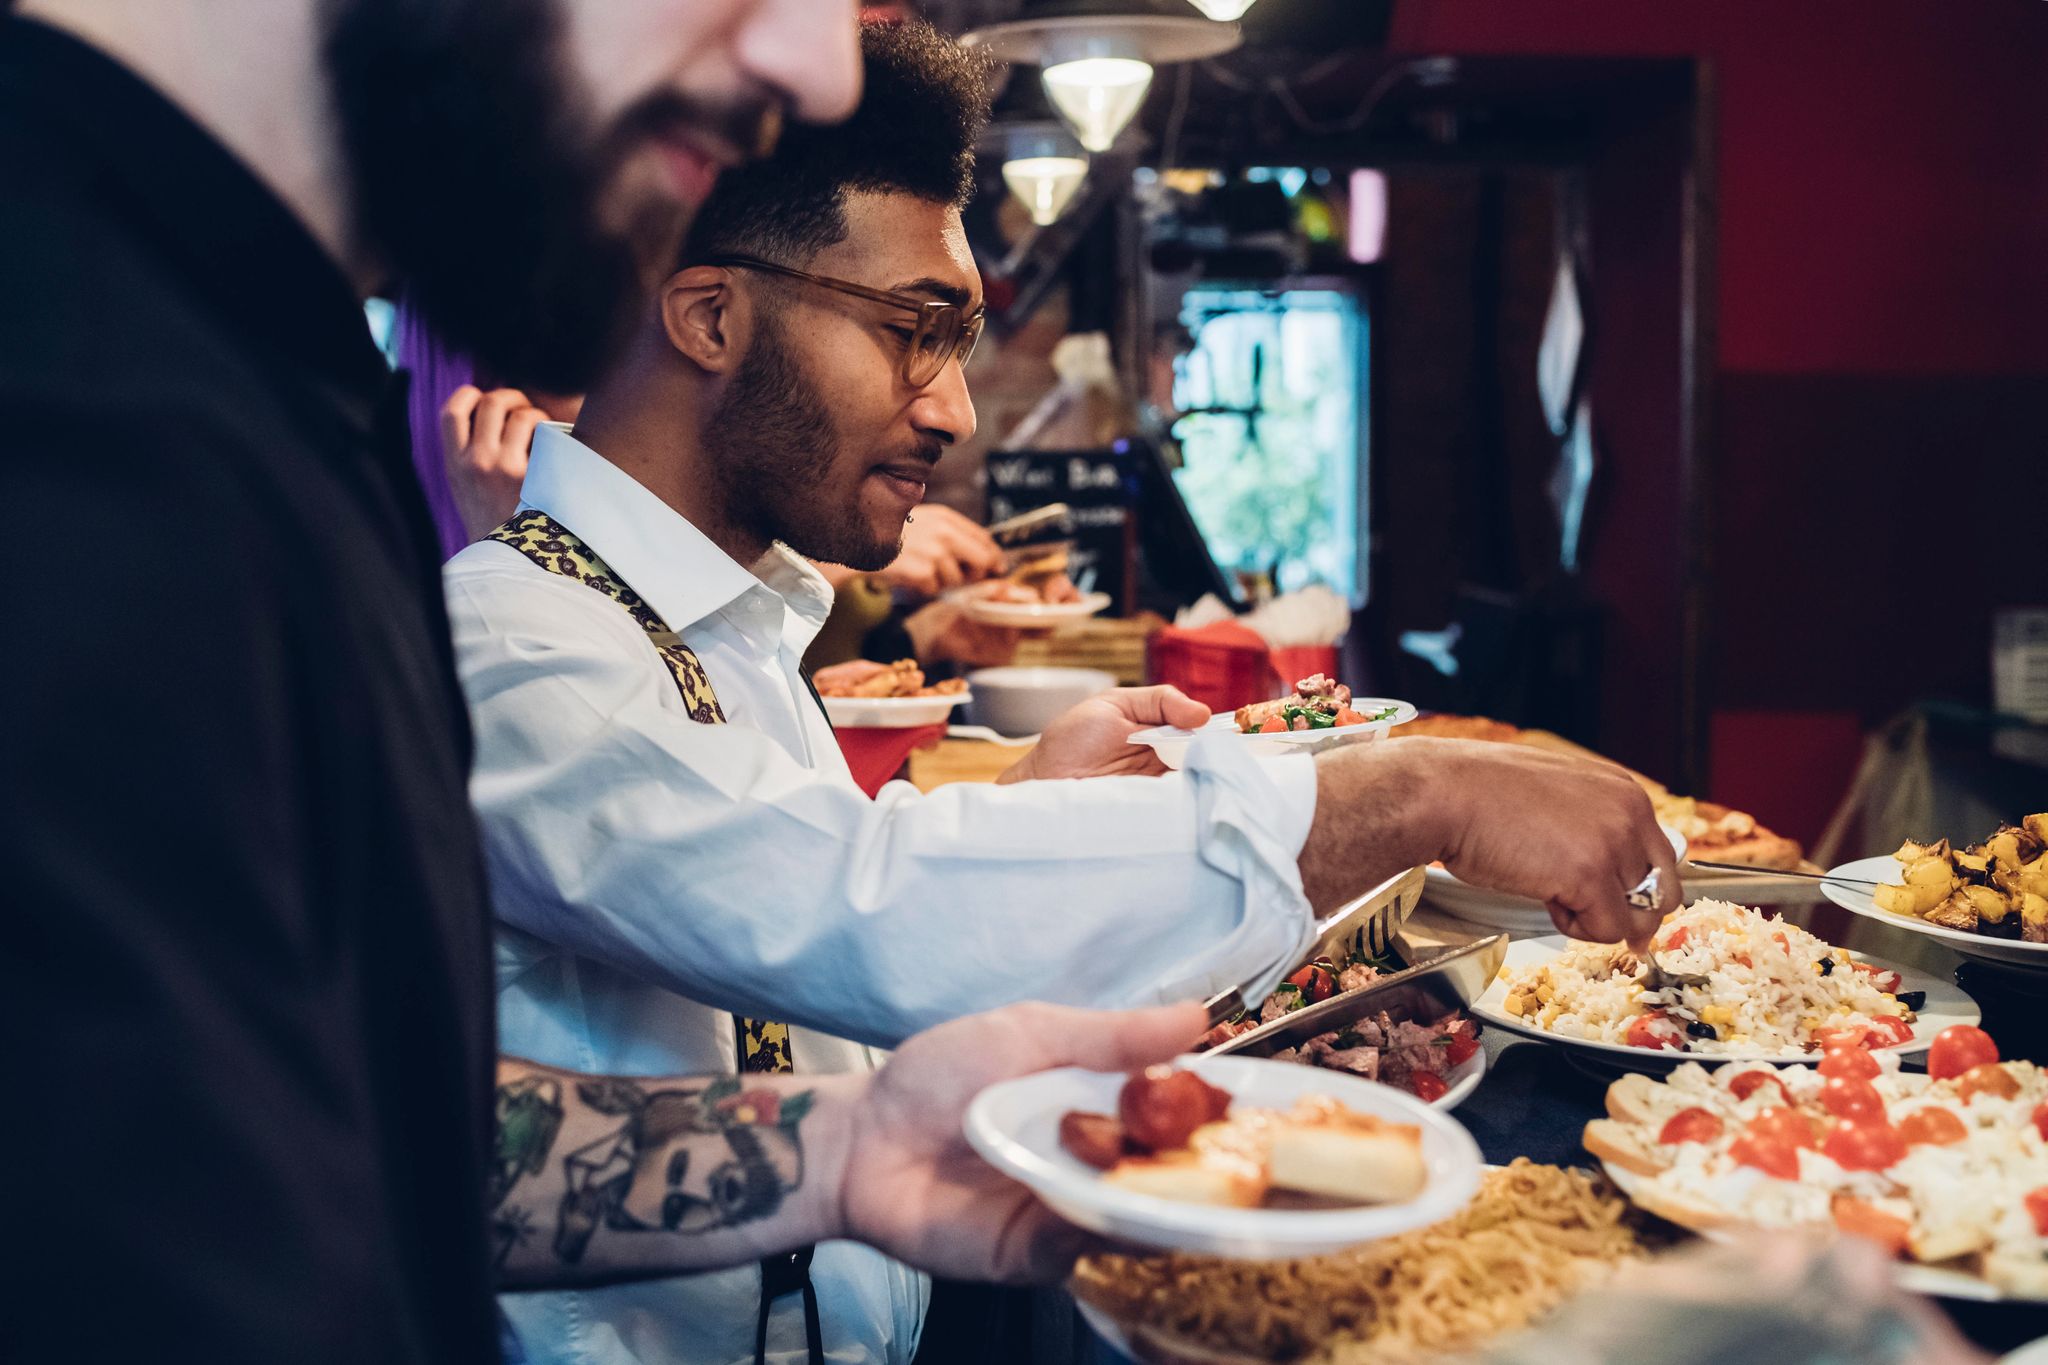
582	1162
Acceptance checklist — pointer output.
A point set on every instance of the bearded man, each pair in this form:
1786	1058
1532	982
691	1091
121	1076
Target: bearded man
685	874
245	982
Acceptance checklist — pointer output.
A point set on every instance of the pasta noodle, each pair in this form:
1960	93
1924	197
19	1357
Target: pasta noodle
1532	1237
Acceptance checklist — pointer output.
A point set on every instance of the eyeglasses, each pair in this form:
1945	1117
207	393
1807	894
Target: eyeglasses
943	331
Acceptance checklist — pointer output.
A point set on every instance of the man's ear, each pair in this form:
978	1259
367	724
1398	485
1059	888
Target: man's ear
705	318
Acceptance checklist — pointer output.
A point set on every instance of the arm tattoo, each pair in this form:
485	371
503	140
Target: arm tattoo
679	1160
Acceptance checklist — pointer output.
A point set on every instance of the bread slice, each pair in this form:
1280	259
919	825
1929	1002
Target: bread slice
1625	1146
1636	1098
1959	1237
2023	1277
1357	1163
1190	1178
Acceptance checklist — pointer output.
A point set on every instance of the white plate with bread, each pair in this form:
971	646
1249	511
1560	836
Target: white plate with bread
1305	1161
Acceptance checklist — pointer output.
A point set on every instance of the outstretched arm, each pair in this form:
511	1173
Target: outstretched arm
606	1178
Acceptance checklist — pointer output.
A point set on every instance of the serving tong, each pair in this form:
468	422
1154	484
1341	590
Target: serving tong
1446	980
1364	927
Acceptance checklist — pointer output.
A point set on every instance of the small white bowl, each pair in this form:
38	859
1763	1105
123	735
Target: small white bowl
890	713
1023	701
1015	1127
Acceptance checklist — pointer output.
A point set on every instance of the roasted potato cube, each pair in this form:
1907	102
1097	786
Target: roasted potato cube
2033	878
2034	918
1910	852
1954	913
2014	846
1990	905
2037	825
1899	900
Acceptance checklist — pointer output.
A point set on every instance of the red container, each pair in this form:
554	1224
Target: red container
1223	665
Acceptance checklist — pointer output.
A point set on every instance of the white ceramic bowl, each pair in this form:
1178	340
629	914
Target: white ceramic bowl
1023	701
1015	1127
890	713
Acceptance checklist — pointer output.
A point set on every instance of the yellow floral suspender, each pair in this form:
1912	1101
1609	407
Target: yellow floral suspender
763	1045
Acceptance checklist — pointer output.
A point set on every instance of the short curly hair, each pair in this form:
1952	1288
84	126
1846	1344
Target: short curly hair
924	102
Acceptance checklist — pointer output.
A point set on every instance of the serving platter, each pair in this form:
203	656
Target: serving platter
1947	1004
1027	615
1171	741
891	713
1932	1280
1857	901
1014	1125
1491	909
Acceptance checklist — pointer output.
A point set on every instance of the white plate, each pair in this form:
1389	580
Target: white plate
1857	900
1931	1280
1027	615
1172	742
2033	1353
1463	1079
1947	1004
890	713
1015	1127
1497	909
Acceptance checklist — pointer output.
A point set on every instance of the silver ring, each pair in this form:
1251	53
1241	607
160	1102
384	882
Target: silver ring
1647	892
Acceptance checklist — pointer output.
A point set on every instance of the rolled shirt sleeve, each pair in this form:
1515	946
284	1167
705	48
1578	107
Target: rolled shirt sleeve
705	859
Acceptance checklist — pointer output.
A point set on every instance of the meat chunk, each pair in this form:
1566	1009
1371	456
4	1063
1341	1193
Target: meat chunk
1356	975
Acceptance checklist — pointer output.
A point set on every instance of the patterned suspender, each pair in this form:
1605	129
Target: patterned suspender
762	1045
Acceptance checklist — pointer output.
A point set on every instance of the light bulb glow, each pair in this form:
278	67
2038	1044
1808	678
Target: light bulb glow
1223	11
1045	184
1097	96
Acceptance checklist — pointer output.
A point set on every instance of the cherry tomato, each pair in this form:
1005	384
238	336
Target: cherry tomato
1161	1108
1749	1082
1784	1126
1850	1061
1848	1097
1428	1086
1834	1039
1932	1128
1347	716
1676	941
1317	983
1863	1145
1891	1031
2037	1208
1776	1159
1860	1218
1691	1125
1652	1031
2041	1121
1883	978
1957	1049
1460	1049
1988	1079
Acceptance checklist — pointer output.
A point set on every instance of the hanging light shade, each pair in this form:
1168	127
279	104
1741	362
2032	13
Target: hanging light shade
1043	165
1097	55
1223	11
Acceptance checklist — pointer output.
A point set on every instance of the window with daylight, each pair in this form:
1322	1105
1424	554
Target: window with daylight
1272	432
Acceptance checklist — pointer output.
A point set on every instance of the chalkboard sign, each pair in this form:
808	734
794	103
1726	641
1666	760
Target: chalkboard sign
1102	488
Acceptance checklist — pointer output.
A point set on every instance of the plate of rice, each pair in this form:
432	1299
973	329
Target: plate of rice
1772	992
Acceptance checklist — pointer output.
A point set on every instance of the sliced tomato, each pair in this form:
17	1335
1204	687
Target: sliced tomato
1347	716
1933	1128
2041	1121
1849	1097
1987	1079
2037	1209
1778	1160
1890	1031
1460	1048
1834	1039
1749	1082
1884	978
1860	1218
1316	981
1428	1086
1957	1049
1690	1125
1785	1125
1850	1061
1273	725
1653	1030
1863	1145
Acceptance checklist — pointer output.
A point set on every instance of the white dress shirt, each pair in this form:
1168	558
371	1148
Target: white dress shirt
651	874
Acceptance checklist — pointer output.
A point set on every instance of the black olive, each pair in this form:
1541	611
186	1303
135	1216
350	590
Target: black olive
1698	1030
1913	1000
1827	966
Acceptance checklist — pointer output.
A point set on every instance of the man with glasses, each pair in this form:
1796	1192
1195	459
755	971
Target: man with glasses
686	876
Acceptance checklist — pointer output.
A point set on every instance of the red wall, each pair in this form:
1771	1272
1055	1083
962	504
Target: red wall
1883	351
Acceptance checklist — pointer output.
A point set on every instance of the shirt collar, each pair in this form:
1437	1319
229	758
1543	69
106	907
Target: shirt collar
242	250
680	572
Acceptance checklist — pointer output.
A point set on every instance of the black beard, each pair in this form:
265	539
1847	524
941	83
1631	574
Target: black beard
771	443
481	184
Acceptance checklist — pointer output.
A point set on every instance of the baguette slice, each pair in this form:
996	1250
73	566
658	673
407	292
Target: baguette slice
1636	1098
1958	1237
1625	1145
1358	1162
2023	1277
1691	1214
